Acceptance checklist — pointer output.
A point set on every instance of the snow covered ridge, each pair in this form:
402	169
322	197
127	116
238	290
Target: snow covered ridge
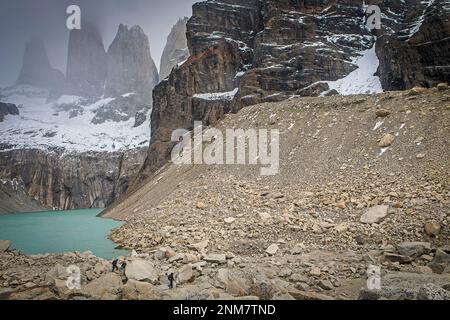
67	123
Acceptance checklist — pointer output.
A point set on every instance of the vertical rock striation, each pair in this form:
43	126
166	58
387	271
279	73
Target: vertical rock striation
66	181
130	67
86	62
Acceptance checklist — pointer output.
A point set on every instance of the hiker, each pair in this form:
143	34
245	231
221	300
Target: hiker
114	265
171	280
123	266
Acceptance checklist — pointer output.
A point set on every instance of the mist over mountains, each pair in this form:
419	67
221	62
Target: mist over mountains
22	19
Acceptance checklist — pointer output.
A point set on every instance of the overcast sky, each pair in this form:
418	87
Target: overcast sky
21	19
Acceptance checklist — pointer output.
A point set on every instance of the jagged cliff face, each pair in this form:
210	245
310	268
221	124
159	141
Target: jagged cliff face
8	109
66	181
130	66
86	62
176	49
256	51
14	198
414	44
36	69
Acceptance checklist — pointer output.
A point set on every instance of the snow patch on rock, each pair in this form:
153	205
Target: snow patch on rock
361	80
229	95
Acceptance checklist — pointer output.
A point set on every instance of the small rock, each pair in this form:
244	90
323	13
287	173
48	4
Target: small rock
325	284
315	272
200	205
375	214
264	216
393	257
4	245
360	240
229	220
432	228
442	86
424	270
222	276
420	156
285	272
386	141
160	254
176	257
215	258
276	195
272	249
341	204
199	265
342	227
441	260
200	246
190	258
302	286
417	91
170	253
298	249
382	113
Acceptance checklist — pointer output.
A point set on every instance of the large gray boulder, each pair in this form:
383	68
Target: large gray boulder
413	249
141	270
107	287
137	290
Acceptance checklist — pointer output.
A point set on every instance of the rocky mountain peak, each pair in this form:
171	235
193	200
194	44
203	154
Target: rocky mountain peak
36	68
130	67
176	49
86	63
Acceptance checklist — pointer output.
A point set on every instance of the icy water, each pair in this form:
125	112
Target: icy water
60	232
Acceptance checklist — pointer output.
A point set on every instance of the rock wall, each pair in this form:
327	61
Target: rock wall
130	66
13	198
67	181
36	69
7	109
271	50
176	50
127	67
86	62
414	46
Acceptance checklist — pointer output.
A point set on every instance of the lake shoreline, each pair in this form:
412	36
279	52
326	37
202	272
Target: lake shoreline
60	232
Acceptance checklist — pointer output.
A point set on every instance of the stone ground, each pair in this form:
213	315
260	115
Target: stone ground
363	181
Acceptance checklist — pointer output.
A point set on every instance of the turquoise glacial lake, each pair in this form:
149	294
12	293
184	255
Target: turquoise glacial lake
60	232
